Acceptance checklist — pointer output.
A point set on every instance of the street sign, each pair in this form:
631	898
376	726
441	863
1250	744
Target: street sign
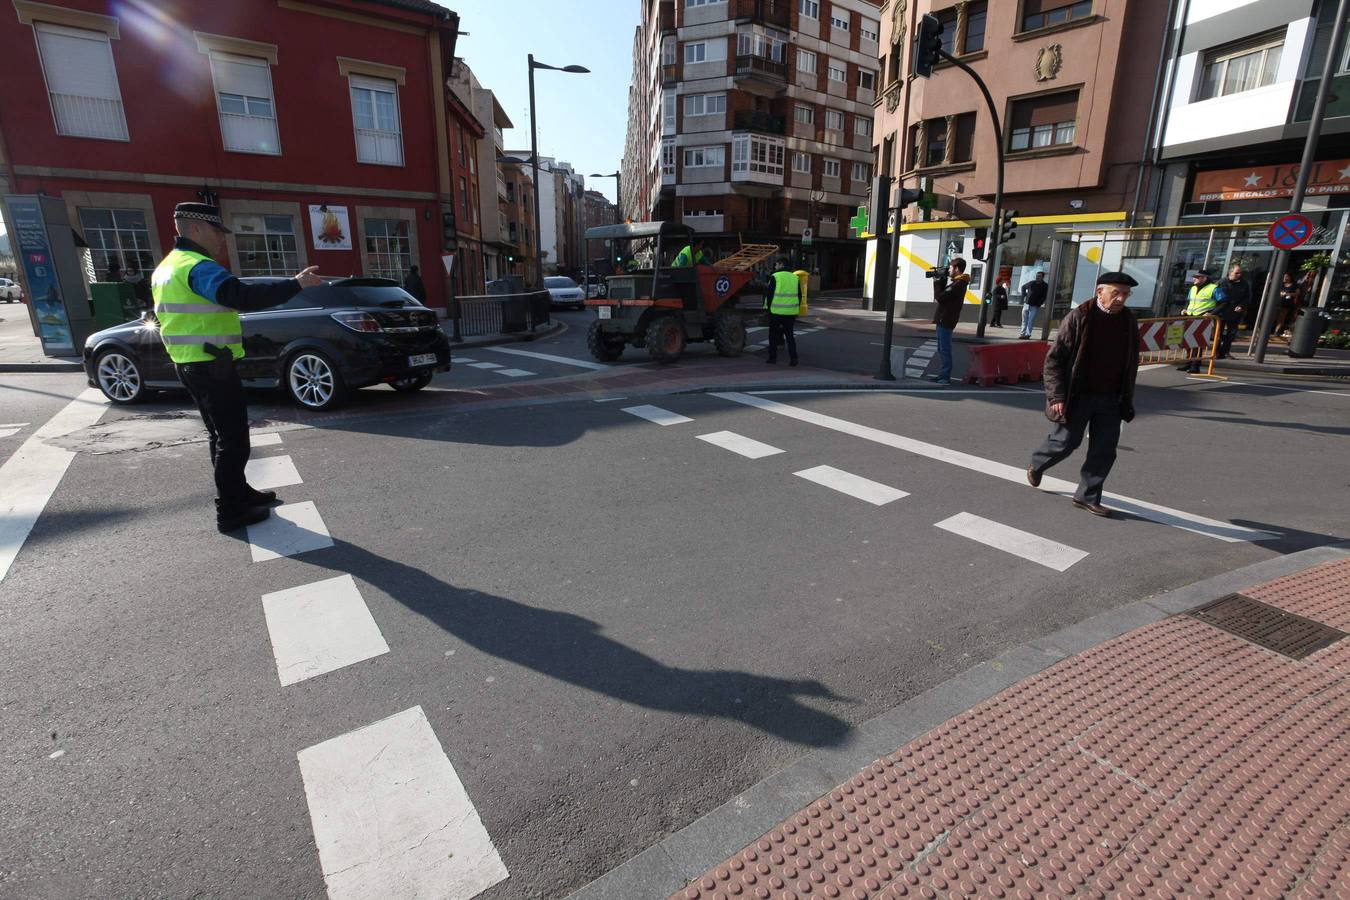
1189	333
807	234
1288	231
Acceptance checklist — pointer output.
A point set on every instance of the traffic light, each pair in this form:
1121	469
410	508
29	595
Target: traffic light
927	46
981	240
1007	228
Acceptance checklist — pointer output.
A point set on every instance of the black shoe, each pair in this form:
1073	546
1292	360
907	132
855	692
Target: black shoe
259	498
1185	368
1095	508
240	517
792	362
1033	477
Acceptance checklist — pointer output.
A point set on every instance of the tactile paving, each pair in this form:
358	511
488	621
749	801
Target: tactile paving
1174	761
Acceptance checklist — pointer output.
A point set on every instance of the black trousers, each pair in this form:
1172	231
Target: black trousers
780	329
1099	416
1230	330
219	395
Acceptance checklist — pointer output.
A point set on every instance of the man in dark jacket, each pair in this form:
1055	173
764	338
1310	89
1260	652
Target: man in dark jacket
1235	298
413	284
1089	387
1034	293
950	294
1000	304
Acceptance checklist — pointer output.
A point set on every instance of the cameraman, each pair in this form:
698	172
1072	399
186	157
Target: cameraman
949	291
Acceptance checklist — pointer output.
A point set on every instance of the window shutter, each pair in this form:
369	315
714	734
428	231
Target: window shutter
241	75
1048	110
1034	7
82	82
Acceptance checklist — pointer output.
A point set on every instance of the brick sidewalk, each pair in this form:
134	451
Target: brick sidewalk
1175	760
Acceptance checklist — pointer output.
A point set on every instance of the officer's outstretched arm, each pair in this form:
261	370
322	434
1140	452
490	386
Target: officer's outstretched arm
213	281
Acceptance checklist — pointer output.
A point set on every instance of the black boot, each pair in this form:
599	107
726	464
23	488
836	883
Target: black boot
259	498
233	517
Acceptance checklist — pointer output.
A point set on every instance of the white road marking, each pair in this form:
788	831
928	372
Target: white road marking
1267	387
33	472
464	359
6	431
1048	553
1222	531
271	439
291	530
269	472
873	492
747	447
320	627
657	414
919	359
512	373
996	389
484	365
391	817
562	360
1152	367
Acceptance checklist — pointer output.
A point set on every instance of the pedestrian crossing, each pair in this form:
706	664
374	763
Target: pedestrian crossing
494	368
920	359
764	344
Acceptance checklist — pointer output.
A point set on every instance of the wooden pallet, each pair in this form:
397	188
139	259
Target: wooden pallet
748	256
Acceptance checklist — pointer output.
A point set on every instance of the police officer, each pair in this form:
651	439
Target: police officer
197	303
1200	301
784	302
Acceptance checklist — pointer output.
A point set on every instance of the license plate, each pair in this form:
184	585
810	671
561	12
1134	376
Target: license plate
604	312
422	359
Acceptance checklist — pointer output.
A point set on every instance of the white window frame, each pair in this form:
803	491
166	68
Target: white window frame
668	158
357	82
808	9
690	4
863	75
862	125
120	106
712	51
708	156
861	172
1225	58
255	61
807	56
831	164
704	104
668	50
810	114
801	162
766	43
758	153
836	22
668	113
869	30
837	72
829	116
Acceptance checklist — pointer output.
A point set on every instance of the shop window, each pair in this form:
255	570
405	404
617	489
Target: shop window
379	136
121	236
266	245
1047	121
81	82
1045	13
1241	67
389	248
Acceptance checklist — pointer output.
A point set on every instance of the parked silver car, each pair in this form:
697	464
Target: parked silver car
563	291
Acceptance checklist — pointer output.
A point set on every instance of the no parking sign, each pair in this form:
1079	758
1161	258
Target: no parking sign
1288	231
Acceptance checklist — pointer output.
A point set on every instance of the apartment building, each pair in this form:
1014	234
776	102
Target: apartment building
515	206
1074	82
752	119
1243	75
483	103
597	210
560	213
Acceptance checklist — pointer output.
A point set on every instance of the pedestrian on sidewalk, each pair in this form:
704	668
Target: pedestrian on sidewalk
1200	301
1089	387
1290	294
1000	304
1235	298
197	302
950	294
783	302
1034	293
414	285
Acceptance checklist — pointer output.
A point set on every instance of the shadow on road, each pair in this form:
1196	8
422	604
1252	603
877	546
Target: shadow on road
574	650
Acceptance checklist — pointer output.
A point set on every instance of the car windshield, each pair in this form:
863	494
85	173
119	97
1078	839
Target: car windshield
559	282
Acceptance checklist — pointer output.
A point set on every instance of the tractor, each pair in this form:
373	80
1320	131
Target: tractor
663	308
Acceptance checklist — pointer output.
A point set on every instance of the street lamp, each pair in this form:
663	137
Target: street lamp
534	159
618	193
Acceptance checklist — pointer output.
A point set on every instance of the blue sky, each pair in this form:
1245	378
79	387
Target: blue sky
582	118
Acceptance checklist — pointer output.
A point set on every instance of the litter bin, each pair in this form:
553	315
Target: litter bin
114	302
1309	327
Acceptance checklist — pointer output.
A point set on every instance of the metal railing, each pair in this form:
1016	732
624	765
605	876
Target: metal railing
484	314
757	120
759	65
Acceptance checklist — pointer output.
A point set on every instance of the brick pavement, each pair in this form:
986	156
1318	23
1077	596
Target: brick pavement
1176	760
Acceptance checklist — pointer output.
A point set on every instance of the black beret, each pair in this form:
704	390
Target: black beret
202	212
1117	278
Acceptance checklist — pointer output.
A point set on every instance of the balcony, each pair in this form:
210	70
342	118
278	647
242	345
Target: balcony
772	12
762	69
755	120
669	74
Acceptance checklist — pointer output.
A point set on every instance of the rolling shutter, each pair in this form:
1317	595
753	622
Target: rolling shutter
82	82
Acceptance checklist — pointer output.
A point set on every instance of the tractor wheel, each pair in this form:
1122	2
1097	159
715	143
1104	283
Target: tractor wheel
604	347
729	334
665	339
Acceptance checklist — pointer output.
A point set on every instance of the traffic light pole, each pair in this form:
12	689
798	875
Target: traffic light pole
996	232
883	270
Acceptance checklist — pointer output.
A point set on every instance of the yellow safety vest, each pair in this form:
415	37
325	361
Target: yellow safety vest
187	320
684	258
1202	300
787	294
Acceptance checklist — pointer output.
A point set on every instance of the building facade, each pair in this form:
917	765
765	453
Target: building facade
597	210
493	228
1076	122
516	209
1242	80
559	213
752	119
466	132
321	129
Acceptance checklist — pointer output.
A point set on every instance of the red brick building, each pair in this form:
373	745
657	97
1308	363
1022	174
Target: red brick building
321	127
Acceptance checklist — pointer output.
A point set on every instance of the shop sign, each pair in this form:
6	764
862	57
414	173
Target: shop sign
35	253
330	226
1271	182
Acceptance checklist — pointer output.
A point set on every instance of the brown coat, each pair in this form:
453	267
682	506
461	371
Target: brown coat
1064	362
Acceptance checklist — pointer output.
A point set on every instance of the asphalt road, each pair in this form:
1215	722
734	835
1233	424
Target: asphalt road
611	626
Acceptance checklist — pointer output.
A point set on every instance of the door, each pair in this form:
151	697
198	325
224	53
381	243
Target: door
1063	272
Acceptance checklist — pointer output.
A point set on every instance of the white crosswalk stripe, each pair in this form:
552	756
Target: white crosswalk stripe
656	414
291	530
548	357
512	373
919	359
873	492
270	439
267	472
391	817
320	627
1051	554
484	365
747	447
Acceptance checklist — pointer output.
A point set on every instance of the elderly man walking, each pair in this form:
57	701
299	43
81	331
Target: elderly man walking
1089	387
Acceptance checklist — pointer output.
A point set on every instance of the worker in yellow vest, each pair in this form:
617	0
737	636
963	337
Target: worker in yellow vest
784	302
197	303
1200	301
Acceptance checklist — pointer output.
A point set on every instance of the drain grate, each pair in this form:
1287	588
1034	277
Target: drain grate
1267	626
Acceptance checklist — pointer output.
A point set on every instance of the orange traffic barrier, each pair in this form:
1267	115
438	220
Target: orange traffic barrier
1009	363
1181	339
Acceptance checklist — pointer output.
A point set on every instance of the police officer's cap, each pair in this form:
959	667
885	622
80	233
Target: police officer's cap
1205	272
201	212
1117	278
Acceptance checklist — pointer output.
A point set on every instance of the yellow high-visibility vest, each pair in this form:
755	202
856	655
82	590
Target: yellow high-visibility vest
187	320
1201	300
787	294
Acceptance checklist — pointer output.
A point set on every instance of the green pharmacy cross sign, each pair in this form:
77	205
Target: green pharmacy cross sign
859	222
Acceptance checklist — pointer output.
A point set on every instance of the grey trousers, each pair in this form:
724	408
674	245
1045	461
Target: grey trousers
1099	416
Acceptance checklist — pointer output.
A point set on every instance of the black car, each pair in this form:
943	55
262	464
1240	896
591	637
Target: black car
324	341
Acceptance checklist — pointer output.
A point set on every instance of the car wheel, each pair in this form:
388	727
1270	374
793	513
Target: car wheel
119	377
312	381
603	347
411	383
665	339
729	334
